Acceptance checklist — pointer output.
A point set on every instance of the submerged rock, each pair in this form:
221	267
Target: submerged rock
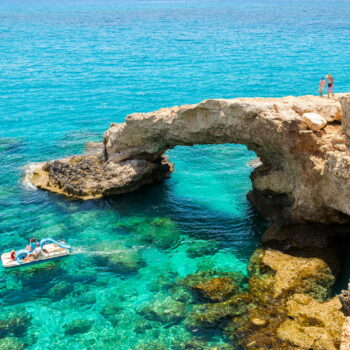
160	231
10	144
216	289
14	324
110	311
60	290
199	344
289	306
142	326
164	281
128	259
88	298
77	327
151	346
199	277
10	343
191	344
182	294
216	315
164	310
202	248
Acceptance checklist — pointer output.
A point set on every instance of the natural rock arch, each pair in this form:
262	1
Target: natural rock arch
305	168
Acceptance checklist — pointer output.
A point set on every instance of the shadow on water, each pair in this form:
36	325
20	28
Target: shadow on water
344	276
242	232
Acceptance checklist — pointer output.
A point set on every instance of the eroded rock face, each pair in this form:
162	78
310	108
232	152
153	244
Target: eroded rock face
305	169
296	274
294	156
288	306
312	324
89	176
216	289
344	298
345	341
314	121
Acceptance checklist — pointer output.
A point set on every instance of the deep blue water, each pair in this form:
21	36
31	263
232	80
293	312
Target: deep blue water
68	69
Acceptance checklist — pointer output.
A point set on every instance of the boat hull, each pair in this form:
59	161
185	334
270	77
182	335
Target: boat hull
35	262
51	252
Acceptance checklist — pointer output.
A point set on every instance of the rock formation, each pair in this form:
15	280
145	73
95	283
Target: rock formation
301	143
289	306
345	341
303	173
89	176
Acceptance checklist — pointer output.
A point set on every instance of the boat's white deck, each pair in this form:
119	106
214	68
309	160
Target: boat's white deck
50	251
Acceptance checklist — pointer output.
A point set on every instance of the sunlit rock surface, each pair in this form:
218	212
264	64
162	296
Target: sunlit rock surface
304	174
89	176
312	324
288	307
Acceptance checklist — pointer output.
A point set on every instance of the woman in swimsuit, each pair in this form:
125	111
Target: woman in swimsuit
13	255
330	85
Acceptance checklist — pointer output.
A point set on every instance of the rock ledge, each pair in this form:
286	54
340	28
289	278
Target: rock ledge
305	170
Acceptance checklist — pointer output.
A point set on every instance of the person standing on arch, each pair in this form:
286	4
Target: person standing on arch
322	84
330	85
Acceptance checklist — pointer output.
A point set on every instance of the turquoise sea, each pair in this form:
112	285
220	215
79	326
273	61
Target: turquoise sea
70	68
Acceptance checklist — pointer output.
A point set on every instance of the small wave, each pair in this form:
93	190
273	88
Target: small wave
28	172
254	163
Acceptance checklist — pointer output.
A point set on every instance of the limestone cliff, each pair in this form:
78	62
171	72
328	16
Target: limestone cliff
305	168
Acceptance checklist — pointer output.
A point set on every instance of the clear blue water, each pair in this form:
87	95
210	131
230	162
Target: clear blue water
68	69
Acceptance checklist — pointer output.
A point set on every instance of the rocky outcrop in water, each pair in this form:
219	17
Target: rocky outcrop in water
287	302
288	305
89	176
300	141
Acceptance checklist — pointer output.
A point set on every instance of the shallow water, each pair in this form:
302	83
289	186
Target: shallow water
68	69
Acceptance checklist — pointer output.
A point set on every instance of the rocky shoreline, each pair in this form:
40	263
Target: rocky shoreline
301	142
286	301
301	186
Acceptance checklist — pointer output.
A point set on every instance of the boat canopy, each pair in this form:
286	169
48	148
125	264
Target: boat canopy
23	253
49	240
20	255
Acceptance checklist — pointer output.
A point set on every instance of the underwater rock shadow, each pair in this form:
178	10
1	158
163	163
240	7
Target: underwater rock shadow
11	145
158	200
